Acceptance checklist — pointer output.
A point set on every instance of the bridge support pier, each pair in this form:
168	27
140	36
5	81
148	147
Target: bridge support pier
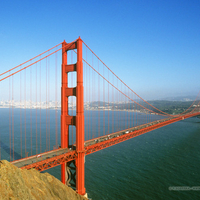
70	174
77	120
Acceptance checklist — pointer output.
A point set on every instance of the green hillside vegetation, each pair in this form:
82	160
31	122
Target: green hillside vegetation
170	107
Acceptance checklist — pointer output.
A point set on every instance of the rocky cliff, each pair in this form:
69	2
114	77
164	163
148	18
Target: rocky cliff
25	184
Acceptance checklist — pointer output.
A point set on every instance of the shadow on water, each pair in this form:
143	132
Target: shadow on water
16	155
7	149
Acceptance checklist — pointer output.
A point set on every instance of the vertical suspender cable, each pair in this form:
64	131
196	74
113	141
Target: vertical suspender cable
40	108
93	85
25	110
36	109
117	104
125	123
49	100
89	118
87	90
122	107
21	112
46	107
136	112
108	105
87	97
85	93
125	89
31	106
13	114
112	106
129	124
98	102
56	105
103	104
40	111
10	115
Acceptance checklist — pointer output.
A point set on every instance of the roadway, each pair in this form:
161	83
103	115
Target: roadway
39	157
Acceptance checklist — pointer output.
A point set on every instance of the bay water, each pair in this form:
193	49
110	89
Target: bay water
162	164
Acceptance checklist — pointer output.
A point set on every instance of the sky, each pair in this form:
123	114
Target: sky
152	45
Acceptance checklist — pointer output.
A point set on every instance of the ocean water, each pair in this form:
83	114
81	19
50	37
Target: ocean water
147	167
150	166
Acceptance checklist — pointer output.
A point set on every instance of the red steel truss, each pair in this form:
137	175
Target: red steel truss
52	162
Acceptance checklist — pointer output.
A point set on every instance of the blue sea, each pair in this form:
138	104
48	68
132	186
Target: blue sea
162	164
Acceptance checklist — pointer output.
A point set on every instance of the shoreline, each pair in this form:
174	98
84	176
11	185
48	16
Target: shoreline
59	108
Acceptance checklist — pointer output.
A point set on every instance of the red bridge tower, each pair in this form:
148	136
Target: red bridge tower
78	120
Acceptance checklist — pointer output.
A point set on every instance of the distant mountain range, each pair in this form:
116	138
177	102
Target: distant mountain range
181	98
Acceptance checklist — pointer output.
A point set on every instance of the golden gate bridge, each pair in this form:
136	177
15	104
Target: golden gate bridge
98	110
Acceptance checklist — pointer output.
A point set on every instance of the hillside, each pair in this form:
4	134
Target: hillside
18	184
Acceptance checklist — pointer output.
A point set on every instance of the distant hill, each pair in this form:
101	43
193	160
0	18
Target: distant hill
181	98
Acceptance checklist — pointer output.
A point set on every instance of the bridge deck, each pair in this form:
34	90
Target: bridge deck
40	157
